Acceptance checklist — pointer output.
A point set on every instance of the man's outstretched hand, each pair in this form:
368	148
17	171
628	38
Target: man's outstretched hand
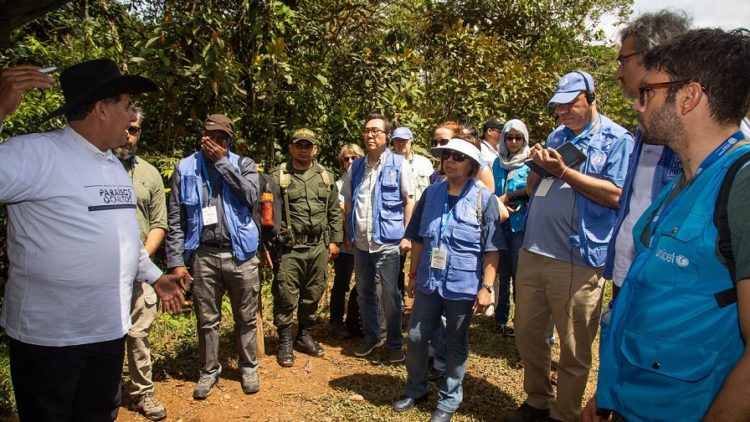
168	288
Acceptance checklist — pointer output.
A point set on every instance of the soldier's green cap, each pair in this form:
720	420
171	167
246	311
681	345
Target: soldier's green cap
305	134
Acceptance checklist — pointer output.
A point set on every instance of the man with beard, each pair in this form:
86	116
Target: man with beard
310	235
571	215
151	212
674	345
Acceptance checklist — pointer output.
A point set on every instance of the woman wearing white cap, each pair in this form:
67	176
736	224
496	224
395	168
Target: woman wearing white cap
510	174
456	238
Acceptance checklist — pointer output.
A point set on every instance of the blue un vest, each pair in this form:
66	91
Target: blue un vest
595	222
462	239
242	229
666	346
387	202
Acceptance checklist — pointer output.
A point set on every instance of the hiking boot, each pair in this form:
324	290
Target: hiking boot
204	386
526	413
250	382
396	356
147	405
285	356
367	347
306	344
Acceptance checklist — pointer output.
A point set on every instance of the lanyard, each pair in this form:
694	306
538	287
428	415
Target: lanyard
447	212
706	163
586	130
209	181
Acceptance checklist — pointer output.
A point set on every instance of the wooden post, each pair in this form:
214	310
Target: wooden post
260	338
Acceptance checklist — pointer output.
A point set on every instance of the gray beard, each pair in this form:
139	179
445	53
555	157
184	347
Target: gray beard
126	155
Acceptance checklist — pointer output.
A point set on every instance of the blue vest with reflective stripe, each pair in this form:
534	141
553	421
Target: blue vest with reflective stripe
462	275
666	346
387	202
242	229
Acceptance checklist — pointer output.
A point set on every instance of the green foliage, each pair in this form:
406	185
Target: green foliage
7	400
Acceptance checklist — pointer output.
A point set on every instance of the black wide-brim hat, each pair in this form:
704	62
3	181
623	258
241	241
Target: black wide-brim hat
94	80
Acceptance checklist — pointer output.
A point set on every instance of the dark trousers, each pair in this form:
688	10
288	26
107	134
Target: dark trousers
343	267
70	383
401	278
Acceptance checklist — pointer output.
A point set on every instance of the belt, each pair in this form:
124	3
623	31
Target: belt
308	239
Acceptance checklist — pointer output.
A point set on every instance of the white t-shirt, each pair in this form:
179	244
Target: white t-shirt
640	199
73	241
421	169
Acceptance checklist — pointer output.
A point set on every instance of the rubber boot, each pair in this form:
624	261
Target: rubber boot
285	356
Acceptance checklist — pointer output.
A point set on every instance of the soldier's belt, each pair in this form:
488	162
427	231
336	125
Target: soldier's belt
308	239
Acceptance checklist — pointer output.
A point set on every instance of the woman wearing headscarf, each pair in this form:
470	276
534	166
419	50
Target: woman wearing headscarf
510	175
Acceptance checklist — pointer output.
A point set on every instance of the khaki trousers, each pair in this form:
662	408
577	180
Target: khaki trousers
142	314
571	296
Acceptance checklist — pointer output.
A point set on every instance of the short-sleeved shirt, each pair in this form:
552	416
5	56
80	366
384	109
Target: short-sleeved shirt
421	169
494	240
364	201
553	219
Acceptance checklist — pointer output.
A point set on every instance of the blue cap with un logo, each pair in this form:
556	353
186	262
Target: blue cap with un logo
570	85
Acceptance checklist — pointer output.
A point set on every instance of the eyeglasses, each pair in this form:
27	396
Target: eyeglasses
623	57
348	158
514	138
134	130
436	142
374	131
457	156
644	89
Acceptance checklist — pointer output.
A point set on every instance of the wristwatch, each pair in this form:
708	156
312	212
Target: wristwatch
489	288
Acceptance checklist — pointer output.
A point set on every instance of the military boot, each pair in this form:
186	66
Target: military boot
285	356
307	344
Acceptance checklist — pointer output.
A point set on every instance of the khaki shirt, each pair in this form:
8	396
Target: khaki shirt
313	206
151	209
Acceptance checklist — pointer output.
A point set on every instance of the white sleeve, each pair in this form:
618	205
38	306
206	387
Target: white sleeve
147	271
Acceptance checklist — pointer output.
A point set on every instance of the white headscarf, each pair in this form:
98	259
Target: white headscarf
512	162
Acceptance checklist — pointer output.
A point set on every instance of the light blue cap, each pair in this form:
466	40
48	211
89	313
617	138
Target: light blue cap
570	85
402	133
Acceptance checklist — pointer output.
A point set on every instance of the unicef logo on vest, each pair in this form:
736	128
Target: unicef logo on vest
673	258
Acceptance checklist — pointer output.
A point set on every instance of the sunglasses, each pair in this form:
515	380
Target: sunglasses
436	142
134	130
514	138
457	156
348	158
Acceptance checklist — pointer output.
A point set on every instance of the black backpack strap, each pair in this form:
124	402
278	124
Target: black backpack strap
721	220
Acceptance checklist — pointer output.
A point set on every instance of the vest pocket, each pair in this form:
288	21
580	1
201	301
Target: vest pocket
463	273
189	192
467	240
658	357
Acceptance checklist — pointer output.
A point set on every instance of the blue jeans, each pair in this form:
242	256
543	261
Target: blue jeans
425	315
385	264
508	269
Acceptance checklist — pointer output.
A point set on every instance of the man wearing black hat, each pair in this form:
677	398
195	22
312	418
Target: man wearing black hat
311	233
211	229
75	251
